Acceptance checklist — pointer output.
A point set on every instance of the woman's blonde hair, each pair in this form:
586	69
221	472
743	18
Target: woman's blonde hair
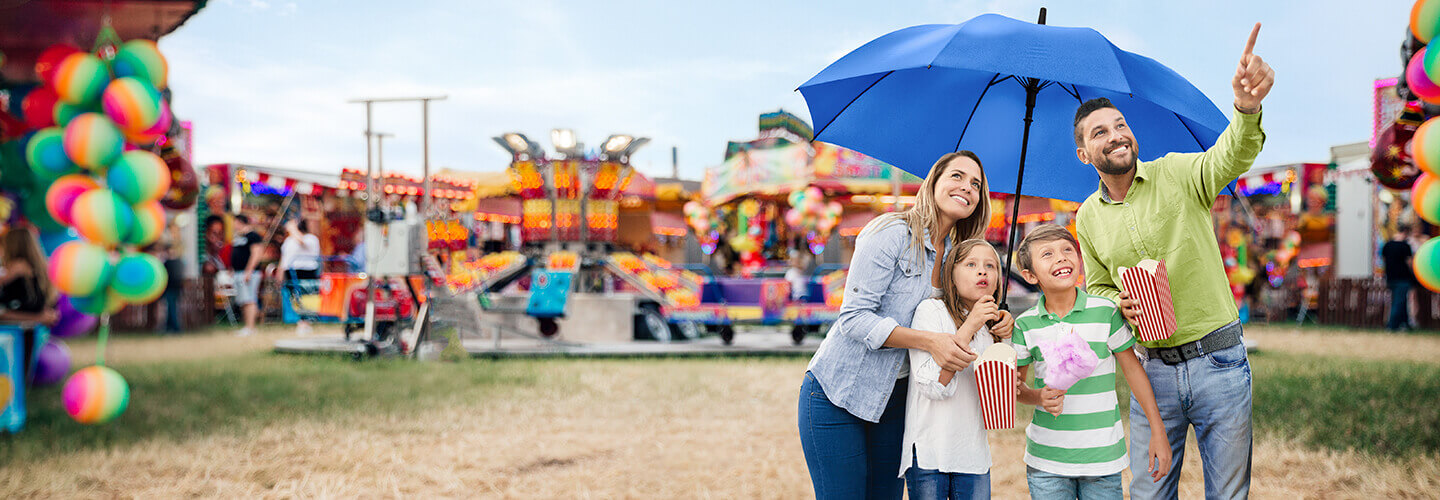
21	244
925	214
949	293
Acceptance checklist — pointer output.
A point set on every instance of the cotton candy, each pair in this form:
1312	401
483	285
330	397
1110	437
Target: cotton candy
1068	359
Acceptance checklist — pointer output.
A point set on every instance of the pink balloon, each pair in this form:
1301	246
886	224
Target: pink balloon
1420	82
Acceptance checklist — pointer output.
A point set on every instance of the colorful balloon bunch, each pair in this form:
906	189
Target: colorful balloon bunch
707	229
813	217
92	169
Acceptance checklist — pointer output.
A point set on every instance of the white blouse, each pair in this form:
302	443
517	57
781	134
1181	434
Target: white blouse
943	427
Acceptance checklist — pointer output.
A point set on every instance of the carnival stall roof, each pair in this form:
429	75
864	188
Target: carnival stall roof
782	169
282	180
27	28
487	184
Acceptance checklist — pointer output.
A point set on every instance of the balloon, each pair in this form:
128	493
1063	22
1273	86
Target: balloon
80	79
149	224
796	198
70	321
93	141
1425	147
133	104
61	196
49	241
1425	19
80	269
184	185
106	302
52	363
50	58
102	217
1419	81
65	112
95	395
139	176
45	151
1427	264
148	136
141	59
792	218
38	107
139	278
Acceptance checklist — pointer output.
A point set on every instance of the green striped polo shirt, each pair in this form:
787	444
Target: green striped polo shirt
1087	438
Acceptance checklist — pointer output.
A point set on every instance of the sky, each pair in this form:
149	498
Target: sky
267	82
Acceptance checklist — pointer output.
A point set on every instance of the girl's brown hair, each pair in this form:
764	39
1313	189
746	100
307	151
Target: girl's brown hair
949	294
925	214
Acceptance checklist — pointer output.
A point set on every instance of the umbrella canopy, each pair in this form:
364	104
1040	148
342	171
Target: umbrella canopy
913	95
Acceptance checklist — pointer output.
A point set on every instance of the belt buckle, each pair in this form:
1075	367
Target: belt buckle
1170	356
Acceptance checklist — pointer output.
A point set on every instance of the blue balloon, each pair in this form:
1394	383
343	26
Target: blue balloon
52	240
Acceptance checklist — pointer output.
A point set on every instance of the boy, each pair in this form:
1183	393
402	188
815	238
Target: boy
1077	450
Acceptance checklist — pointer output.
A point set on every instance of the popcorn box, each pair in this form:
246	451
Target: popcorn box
995	377
1148	285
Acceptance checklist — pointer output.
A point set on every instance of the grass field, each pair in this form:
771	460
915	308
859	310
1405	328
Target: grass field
1337	414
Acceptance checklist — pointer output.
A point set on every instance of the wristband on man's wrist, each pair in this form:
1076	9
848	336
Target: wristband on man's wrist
1247	111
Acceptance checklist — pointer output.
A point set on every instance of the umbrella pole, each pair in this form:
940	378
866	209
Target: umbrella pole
1032	89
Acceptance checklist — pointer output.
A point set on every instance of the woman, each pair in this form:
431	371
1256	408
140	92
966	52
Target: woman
25	291
299	261
852	401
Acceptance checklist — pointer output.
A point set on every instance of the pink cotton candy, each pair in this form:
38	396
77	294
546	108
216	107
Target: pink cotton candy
1067	360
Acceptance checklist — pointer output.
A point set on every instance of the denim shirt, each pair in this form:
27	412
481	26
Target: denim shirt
883	289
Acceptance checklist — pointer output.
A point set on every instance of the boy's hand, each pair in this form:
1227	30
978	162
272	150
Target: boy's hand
1160	458
1129	308
1052	400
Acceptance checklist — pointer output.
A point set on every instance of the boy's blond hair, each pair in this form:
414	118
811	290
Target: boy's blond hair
1041	234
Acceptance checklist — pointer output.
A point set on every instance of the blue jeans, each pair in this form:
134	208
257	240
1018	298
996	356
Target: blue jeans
172	311
849	457
1047	486
1399	306
926	484
1211	392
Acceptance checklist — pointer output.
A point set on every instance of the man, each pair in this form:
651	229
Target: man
1161	210
244	257
1399	276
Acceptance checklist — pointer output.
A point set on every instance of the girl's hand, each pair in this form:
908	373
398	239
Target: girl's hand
1053	401
1159	461
1005	327
984	311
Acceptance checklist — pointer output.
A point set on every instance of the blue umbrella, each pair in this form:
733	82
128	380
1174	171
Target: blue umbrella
1007	90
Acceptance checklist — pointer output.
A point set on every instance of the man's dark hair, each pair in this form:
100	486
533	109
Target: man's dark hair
303	226
1086	108
243	219
214	219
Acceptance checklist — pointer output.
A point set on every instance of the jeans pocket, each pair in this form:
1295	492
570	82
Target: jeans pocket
1228	357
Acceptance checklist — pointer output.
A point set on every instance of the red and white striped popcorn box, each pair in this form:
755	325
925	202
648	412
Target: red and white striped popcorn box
1148	285
995	377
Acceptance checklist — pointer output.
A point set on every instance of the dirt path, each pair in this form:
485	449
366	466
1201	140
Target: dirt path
606	429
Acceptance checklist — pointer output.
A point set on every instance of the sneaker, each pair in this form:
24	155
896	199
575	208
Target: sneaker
245	332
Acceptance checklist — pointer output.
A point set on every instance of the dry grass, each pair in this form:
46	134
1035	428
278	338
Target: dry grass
584	429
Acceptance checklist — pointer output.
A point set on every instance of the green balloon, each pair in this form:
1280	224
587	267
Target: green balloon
14	170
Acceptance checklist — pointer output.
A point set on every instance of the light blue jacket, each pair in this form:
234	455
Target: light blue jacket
883	289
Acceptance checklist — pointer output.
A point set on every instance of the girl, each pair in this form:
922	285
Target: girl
25	291
852	400
946	454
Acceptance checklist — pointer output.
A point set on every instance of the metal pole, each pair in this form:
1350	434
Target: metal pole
1032	89
425	200
369	204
